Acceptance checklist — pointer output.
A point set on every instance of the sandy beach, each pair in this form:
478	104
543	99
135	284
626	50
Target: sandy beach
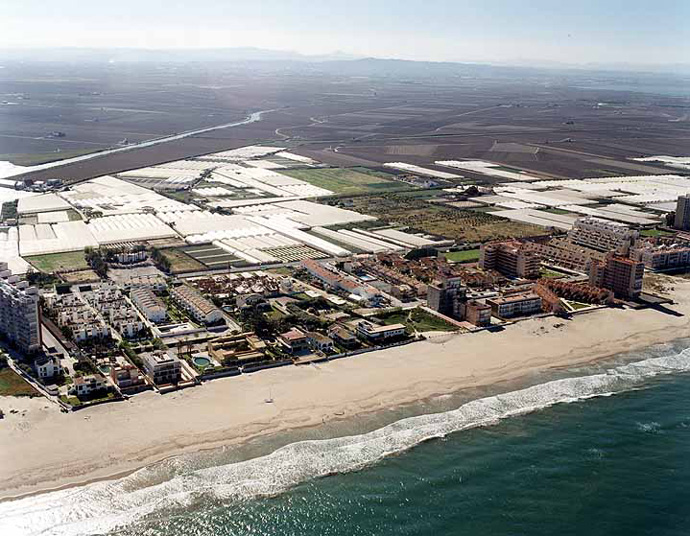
43	449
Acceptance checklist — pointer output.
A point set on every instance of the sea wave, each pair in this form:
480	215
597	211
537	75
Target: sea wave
104	506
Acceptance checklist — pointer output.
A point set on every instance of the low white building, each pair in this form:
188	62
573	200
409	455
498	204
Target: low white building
375	333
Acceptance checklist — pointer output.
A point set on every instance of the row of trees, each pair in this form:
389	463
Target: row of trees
96	261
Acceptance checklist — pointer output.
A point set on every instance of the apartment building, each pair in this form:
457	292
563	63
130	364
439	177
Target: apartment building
682	218
20	318
338	281
621	275
150	305
661	257
162	368
510	258
510	306
198	307
109	301
603	235
447	296
477	313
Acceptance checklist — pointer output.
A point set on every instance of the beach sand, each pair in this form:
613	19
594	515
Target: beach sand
42	449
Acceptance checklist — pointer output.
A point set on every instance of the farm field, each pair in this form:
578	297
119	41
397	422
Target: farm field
461	225
210	256
57	262
180	262
345	180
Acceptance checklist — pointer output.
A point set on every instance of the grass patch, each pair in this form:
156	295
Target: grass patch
417	319
654	232
55	262
344	180
550	274
12	384
468	255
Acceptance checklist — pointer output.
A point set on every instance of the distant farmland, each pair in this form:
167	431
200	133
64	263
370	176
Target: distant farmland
346	180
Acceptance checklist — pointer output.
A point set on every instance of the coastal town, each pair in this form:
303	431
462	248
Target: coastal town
168	277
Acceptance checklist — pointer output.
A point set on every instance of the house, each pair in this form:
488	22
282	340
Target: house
343	336
162	367
127	378
319	342
47	366
86	385
375	333
294	341
237	349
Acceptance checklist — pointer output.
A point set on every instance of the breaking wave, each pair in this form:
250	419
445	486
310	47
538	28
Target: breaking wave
104	506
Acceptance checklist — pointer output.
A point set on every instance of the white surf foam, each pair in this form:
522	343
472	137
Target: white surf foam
103	506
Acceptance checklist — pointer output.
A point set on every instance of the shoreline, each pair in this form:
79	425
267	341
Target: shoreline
113	440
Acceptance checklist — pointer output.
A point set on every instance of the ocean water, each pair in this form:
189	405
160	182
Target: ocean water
603	450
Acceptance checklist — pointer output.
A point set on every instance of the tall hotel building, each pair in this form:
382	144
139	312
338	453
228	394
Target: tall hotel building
20	320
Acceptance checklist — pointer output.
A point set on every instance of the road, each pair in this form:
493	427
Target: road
253	118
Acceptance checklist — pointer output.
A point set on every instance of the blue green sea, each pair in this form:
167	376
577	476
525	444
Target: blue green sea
602	450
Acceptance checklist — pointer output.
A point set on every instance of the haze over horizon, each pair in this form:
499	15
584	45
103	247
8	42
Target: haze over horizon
435	30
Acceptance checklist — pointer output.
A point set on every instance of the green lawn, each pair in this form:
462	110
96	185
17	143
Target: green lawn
468	255
654	232
11	384
54	262
417	319
550	274
343	180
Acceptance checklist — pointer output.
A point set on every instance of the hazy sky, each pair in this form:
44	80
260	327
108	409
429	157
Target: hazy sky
635	31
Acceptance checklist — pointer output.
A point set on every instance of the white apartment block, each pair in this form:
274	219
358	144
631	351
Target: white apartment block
150	305
109	301
72	312
603	235
196	305
20	319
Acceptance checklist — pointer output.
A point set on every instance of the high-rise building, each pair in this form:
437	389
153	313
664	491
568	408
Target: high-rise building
621	275
446	296
510	258
682	220
20	318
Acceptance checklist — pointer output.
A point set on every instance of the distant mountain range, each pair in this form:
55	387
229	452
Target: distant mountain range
345	63
69	54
